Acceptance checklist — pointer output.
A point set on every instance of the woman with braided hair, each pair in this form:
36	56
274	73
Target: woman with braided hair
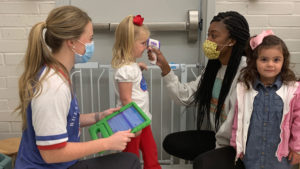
212	92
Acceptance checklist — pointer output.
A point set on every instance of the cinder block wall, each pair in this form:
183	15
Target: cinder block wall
16	19
18	16
282	16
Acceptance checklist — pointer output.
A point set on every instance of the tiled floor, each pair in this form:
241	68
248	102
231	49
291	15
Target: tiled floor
187	166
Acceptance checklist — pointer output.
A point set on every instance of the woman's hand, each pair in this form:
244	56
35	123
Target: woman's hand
161	60
138	133
294	157
92	118
108	112
119	140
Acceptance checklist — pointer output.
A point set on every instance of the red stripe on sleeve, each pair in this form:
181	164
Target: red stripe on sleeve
54	146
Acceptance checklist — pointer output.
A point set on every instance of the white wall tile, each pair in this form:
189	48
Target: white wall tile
14	58
10	7
270	8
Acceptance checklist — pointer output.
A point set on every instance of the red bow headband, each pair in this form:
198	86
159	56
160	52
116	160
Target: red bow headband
138	20
257	40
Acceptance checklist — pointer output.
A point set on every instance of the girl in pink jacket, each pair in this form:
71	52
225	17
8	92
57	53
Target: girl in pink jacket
266	128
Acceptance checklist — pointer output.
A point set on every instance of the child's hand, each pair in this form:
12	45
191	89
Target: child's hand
143	66
119	140
294	157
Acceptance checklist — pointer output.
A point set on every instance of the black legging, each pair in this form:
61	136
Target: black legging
189	144
122	160
199	146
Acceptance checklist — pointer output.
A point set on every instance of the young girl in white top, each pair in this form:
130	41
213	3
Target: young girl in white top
131	38
266	125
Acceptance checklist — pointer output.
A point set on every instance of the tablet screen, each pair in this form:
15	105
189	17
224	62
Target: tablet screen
125	120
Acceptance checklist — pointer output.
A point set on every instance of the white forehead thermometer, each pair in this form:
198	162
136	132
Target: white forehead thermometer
153	44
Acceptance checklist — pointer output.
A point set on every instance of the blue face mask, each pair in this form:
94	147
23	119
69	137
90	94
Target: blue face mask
89	51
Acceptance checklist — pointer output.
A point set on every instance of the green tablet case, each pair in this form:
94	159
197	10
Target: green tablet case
103	126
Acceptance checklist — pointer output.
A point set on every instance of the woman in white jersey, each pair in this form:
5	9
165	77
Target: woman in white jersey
50	114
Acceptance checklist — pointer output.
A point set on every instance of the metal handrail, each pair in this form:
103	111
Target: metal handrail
191	26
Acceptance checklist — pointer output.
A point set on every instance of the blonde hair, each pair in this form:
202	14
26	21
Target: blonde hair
63	23
125	36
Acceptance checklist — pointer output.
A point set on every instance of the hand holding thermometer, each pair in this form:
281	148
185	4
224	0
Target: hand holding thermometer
153	44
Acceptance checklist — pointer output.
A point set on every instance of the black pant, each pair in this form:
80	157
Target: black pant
189	144
199	146
112	161
220	158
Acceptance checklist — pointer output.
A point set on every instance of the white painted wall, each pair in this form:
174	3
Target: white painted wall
282	16
17	17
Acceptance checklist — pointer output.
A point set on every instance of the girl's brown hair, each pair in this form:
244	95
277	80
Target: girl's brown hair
249	73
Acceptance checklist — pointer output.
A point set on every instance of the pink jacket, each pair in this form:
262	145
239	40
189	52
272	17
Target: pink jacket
290	124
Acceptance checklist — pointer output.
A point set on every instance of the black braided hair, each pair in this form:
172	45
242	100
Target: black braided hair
238	29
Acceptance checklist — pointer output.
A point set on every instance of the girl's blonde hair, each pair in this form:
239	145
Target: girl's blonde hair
63	23
125	36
